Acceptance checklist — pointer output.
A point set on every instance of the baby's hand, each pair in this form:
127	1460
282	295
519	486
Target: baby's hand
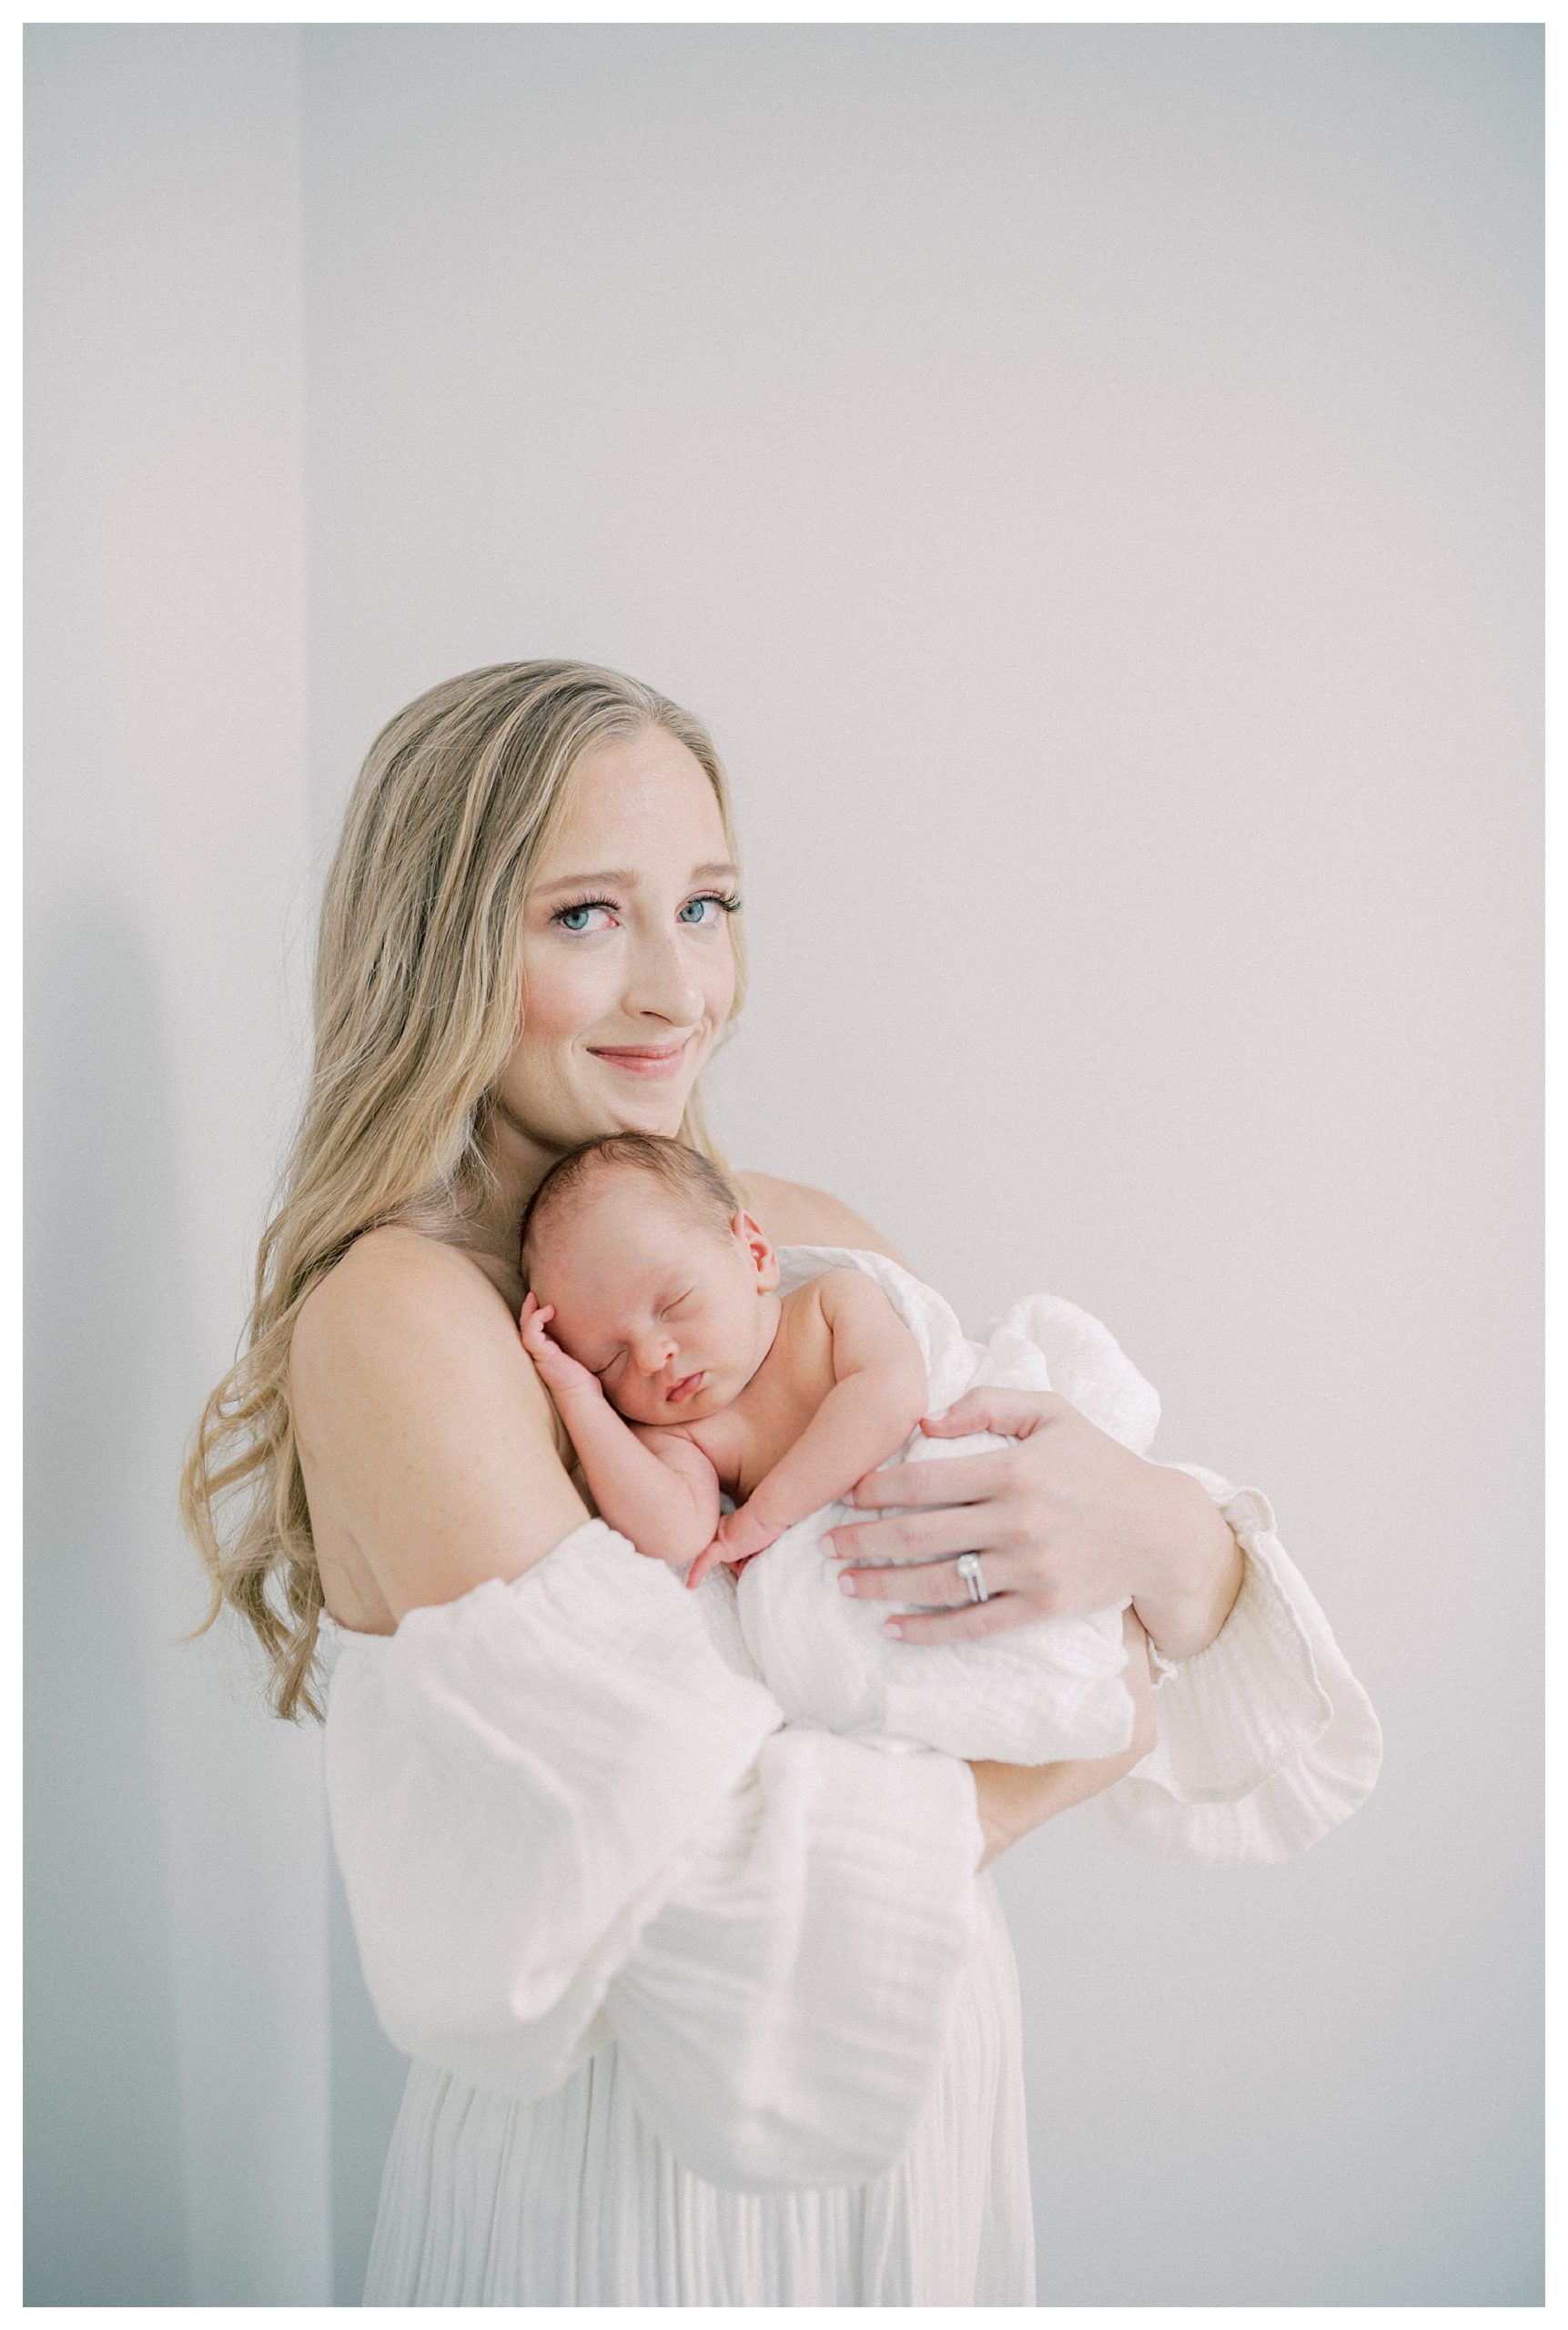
561	1372
740	1536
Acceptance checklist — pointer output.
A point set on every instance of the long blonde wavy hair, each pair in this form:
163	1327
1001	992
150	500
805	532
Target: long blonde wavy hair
417	977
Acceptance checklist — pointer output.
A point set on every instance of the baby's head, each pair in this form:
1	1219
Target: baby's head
663	1284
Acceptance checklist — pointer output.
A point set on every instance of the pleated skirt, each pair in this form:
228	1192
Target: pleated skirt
573	2200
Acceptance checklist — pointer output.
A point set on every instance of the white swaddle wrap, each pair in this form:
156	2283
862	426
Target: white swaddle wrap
1036	1694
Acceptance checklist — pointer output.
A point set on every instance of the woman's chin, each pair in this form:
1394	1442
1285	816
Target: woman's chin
661	1113
653	1104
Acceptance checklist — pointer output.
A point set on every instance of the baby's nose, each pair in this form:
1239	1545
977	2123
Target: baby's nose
655	1354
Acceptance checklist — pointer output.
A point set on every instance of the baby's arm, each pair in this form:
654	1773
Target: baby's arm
878	1397
656	1487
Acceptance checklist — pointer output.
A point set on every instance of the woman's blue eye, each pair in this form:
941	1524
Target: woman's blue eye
575	918
701	917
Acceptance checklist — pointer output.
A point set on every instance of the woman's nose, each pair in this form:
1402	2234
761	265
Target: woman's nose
664	984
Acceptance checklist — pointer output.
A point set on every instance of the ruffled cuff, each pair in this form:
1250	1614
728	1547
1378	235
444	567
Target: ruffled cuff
1266	1740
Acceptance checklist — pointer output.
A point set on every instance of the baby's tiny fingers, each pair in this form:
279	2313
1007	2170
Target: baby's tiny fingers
704	1562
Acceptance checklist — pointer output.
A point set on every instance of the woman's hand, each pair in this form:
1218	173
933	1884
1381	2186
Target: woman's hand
1066	1522
1013	1799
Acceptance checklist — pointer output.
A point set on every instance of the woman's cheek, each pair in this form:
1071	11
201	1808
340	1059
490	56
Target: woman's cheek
721	987
565	997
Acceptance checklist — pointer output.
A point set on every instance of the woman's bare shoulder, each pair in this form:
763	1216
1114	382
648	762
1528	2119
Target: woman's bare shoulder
404	1323
424	1430
794	1214
390	1277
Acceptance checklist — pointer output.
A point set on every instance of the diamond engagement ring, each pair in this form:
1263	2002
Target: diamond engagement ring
969	1567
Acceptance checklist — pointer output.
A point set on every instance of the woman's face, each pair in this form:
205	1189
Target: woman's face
627	970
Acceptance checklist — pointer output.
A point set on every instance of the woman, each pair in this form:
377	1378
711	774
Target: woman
704	2008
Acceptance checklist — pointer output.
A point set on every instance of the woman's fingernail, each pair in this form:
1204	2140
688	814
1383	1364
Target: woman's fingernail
846	1584
892	1625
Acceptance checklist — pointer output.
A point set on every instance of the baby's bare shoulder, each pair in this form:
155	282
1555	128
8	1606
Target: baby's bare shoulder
848	1291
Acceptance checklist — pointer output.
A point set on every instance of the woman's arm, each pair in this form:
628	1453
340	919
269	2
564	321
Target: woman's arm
1265	1741
1116	1523
1068	1521
1014	1798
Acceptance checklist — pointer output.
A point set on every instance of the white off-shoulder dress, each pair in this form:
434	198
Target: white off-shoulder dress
711	2009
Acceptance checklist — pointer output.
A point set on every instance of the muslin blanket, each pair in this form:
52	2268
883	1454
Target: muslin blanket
1040	1693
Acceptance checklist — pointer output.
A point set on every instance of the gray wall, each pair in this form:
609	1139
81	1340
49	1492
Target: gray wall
1089	479
176	1936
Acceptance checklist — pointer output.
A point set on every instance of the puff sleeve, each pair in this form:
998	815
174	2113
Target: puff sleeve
563	1817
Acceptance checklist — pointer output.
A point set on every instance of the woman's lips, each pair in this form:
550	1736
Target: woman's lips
678	1393
643	1060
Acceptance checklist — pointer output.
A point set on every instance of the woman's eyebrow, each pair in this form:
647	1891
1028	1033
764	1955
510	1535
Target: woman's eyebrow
628	877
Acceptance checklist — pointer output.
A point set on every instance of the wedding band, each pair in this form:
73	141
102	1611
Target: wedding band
969	1571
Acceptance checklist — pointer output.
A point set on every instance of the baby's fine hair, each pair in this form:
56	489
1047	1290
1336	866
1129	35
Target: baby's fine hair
695	1179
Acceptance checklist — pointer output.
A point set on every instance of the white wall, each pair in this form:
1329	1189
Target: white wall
1089	479
177	2093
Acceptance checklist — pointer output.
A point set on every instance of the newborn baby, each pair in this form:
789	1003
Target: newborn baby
684	1376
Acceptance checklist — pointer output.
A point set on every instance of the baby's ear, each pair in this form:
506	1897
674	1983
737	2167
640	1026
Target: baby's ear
763	1260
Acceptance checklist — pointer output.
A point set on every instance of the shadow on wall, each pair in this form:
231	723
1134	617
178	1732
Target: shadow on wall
109	1350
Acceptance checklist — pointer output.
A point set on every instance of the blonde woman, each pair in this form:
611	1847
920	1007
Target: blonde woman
704	2008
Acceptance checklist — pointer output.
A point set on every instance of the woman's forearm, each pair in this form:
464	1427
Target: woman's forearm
1013	1799
1016	1798
1202	1574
